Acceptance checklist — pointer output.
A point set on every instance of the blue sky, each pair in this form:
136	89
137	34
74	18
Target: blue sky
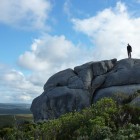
41	37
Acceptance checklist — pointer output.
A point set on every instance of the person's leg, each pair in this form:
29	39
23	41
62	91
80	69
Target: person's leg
128	53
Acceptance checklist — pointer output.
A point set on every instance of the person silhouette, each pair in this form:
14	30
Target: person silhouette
129	50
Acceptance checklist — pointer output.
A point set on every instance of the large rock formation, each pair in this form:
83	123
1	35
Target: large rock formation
73	90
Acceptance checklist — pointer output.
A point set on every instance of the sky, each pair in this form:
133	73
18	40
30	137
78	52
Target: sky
41	37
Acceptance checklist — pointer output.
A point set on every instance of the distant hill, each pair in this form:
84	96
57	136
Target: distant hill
11	108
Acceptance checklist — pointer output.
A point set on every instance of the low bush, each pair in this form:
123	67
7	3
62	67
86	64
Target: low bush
103	120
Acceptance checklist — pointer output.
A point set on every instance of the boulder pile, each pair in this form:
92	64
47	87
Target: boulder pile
72	90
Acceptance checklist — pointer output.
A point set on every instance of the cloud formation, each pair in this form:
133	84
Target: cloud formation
51	54
110	31
15	87
25	13
66	8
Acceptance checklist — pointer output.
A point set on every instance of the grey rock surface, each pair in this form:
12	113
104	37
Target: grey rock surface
85	72
102	67
58	101
70	90
126	72
59	79
116	92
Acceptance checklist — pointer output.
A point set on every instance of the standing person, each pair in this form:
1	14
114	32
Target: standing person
129	50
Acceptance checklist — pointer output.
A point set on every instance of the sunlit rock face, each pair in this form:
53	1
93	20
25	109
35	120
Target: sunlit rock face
74	89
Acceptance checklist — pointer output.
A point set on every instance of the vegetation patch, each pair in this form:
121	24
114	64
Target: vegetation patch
103	120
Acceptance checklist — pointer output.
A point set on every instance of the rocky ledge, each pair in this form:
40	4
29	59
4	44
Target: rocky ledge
72	90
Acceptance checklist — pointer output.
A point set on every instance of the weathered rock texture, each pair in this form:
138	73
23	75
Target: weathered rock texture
71	90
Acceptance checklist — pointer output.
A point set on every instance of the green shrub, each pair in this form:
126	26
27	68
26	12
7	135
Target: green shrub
129	132
103	120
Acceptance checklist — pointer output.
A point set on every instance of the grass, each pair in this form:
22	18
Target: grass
12	120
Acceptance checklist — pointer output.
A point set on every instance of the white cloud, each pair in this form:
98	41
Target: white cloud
25	13
110	31
15	87
52	51
51	54
66	8
46	56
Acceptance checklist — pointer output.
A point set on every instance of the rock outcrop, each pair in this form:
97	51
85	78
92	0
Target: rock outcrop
72	90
